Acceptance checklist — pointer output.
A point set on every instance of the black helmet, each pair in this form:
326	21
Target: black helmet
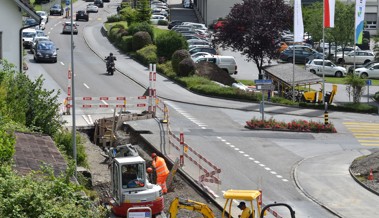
111	54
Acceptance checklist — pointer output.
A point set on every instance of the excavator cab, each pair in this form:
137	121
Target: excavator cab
250	197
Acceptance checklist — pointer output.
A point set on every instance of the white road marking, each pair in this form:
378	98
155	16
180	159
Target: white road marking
86	85
90	119
104	102
85	118
237	149
241	152
62	63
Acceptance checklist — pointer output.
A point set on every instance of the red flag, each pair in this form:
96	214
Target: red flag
329	6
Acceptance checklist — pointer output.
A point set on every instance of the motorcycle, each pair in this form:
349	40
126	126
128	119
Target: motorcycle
111	68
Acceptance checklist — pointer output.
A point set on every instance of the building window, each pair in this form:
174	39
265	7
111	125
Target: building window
370	21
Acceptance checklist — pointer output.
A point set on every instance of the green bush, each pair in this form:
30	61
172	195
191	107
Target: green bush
126	43
147	55
140	40
7	142
186	67
163	22
119	35
166	69
144	26
177	57
118	25
376	96
168	43
112	34
114	18
129	14
41	194
63	140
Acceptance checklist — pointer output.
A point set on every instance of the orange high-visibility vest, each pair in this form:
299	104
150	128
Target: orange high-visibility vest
160	167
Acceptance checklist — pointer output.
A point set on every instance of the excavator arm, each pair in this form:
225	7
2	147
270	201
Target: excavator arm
186	204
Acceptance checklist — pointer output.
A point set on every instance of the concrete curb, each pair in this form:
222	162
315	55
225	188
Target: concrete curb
361	183
297	183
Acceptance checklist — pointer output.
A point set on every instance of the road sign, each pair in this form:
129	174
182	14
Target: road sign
266	87
262	81
368	82
67	2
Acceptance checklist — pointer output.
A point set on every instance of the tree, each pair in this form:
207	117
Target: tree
253	27
355	86
343	31
144	11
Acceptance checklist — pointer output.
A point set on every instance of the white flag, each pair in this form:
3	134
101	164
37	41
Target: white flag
298	22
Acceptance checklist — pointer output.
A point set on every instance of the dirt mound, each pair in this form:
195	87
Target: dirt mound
361	167
213	72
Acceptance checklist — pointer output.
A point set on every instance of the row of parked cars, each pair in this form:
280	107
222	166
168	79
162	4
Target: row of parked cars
200	46
314	60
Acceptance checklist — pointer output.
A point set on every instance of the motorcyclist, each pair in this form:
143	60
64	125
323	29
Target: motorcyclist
110	60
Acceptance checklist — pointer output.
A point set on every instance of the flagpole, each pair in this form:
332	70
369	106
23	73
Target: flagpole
323	54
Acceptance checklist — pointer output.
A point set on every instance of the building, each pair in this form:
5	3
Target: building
211	10
11	25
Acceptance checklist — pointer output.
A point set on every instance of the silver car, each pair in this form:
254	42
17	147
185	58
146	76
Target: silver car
371	72
329	69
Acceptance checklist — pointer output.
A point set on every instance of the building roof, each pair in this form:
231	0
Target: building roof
34	150
25	6
285	74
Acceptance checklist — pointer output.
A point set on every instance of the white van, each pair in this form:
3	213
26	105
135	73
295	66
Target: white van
227	63
28	36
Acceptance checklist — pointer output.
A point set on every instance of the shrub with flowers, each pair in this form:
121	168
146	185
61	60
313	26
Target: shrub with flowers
295	125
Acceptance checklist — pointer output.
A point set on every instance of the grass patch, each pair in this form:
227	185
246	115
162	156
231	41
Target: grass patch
109	25
247	82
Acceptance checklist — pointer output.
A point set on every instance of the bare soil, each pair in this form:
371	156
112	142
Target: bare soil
361	167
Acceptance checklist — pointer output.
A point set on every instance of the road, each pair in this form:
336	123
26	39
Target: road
288	167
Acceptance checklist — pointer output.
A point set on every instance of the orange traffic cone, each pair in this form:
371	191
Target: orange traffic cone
371	176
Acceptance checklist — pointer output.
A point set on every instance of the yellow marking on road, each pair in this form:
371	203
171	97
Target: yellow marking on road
367	134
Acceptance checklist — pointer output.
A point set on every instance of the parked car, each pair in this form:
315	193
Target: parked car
56	10
190	36
366	65
328	69
198	42
45	51
372	71
81	15
92	8
27	37
35	40
67	28
359	57
159	11
198	46
174	23
302	54
227	63
41	33
156	18
99	3
43	15
30	22
198	54
204	49
199	26
187	4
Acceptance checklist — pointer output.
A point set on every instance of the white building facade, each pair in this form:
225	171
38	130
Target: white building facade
10	30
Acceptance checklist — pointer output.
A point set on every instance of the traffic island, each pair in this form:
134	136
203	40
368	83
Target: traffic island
293	126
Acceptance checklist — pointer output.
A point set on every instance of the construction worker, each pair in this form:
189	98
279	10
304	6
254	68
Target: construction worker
161	170
245	210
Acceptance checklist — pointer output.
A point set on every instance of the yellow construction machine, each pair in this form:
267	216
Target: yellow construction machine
316	96
249	196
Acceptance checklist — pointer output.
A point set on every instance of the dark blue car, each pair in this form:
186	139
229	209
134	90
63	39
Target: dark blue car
302	54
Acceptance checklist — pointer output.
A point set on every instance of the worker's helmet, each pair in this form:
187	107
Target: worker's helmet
111	54
149	170
153	155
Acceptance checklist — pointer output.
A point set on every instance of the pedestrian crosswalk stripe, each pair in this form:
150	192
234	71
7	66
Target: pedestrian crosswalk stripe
367	134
